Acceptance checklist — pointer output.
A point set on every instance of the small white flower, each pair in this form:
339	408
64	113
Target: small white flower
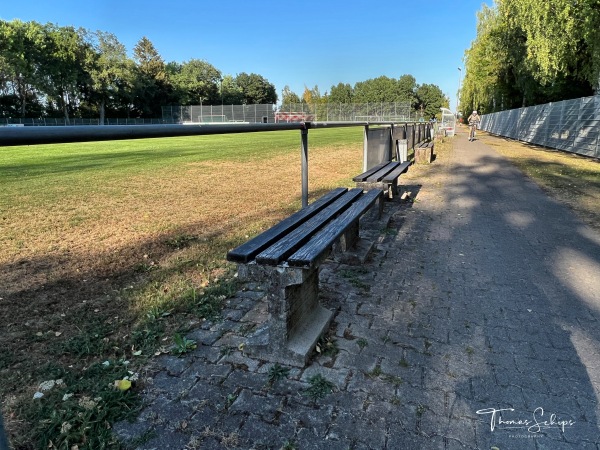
38	395
67	397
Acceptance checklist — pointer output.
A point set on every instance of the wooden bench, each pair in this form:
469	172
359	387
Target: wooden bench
286	259
424	152
384	177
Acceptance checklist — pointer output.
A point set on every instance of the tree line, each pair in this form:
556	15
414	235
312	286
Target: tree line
424	99
49	71
528	52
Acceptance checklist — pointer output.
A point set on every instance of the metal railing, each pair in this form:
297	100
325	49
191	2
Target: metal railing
569	125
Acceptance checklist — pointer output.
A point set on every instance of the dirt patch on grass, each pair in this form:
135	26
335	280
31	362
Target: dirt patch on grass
572	179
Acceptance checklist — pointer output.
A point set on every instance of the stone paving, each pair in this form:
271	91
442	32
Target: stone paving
474	325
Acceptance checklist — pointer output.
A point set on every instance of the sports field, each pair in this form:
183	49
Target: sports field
111	248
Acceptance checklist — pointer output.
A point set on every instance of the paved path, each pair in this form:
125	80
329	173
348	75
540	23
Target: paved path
475	325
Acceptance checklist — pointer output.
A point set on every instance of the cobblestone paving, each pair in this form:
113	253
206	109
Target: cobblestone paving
474	325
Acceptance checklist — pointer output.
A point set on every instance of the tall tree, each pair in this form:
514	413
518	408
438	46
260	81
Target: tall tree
21	44
195	80
430	99
109	70
256	89
341	93
288	97
152	89
231	93
407	86
385	89
311	96
522	55
562	37
62	71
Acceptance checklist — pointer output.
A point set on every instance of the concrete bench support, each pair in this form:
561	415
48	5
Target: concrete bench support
424	153
296	319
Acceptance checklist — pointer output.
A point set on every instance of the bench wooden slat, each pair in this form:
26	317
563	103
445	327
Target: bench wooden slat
295	239
368	173
378	176
246	252
311	252
399	170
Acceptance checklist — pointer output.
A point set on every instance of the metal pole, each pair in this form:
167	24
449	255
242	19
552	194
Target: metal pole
458	92
304	158
597	120
365	148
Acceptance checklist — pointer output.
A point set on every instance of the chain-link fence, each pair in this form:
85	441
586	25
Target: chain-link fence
346	112
63	122
297	112
570	125
265	113
219	113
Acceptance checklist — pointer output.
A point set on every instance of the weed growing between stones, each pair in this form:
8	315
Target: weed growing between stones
278	372
182	345
362	343
319	388
327	346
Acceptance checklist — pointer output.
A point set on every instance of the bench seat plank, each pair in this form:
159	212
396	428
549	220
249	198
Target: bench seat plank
399	170
281	249
310	254
246	252
381	173
368	173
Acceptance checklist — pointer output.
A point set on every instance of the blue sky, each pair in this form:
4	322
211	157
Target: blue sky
304	43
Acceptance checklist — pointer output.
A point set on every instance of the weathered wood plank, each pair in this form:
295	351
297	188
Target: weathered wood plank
381	173
368	173
284	247
399	170
247	251
317	248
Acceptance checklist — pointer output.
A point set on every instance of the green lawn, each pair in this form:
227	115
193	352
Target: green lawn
50	169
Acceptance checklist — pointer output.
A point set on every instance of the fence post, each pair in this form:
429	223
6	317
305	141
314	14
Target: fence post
304	159
597	119
365	147
547	133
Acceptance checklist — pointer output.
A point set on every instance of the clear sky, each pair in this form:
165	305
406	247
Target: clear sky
294	43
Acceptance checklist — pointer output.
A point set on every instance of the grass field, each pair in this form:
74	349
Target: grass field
111	249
